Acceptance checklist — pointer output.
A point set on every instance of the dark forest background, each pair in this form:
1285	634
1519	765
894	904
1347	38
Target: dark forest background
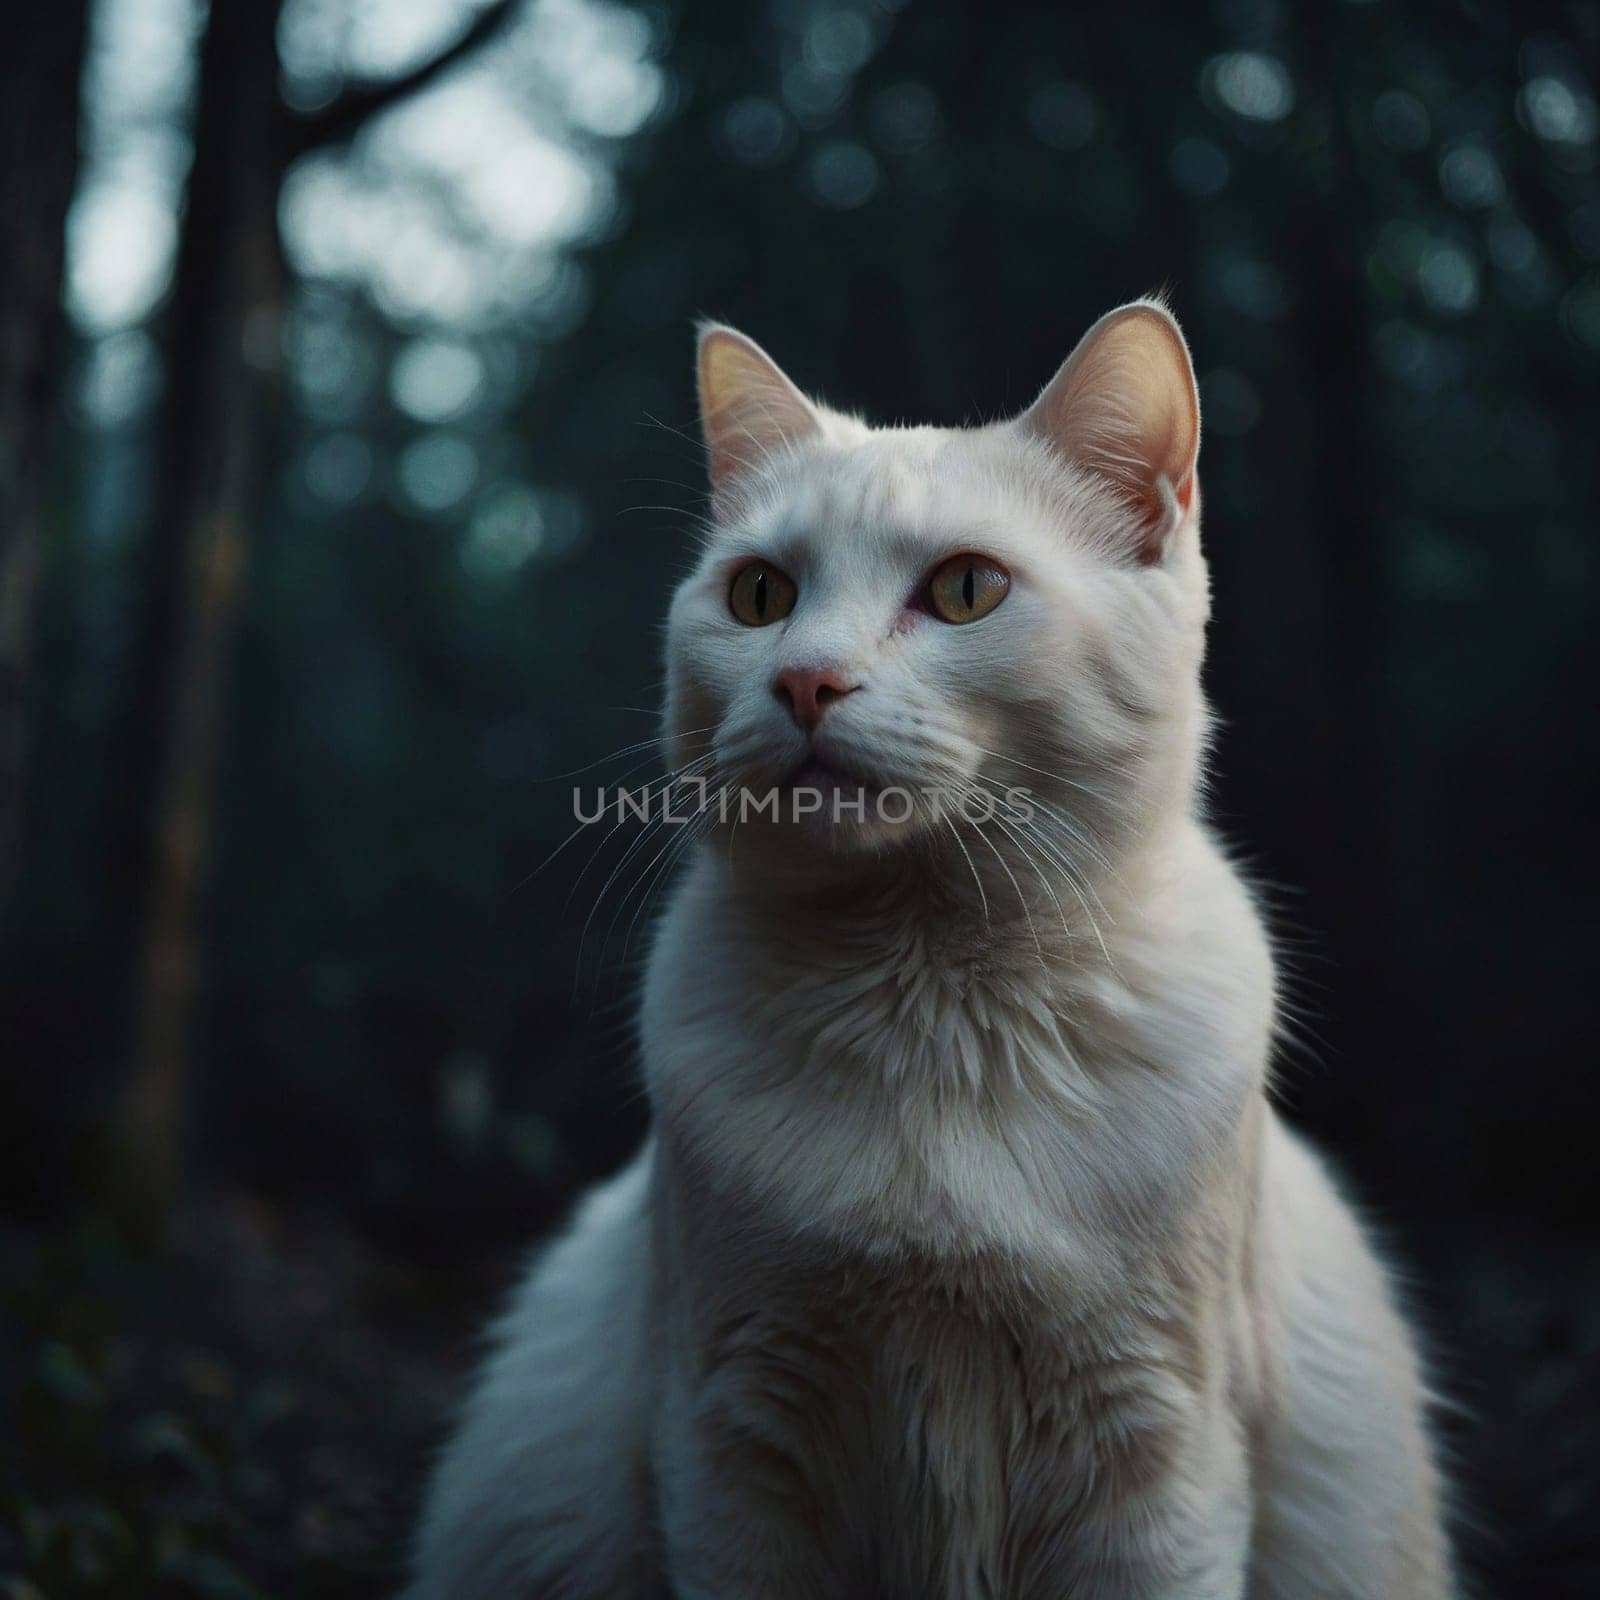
347	457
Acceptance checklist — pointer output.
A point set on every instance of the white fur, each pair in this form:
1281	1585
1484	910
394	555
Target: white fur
968	1258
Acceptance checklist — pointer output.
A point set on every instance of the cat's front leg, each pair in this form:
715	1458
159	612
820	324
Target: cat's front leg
1183	1533
739	1513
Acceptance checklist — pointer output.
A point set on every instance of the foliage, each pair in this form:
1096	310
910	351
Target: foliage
248	1416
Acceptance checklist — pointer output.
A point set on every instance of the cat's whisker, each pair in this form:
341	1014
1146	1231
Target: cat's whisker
668	852
1022	831
1064	837
1078	837
648	833
689	772
695	830
628	749
689	435
623	817
1080	875
1005	866
523	882
999	808
1071	874
971	867
689	828
700	524
625	814
1057	777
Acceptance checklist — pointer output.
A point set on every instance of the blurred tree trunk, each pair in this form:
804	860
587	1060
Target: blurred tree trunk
222	352
221	343
38	168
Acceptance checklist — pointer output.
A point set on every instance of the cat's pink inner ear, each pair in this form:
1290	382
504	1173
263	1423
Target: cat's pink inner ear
1125	406
748	407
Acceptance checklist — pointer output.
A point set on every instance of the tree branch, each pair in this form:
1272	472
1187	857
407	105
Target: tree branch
353	110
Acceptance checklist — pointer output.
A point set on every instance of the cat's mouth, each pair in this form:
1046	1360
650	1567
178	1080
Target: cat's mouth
818	772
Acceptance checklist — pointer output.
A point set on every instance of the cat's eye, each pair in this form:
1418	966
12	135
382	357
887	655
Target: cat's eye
761	594
967	587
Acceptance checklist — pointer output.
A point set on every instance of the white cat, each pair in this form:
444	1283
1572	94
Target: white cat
968	1257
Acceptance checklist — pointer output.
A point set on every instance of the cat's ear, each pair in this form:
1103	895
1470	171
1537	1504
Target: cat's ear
1124	406
748	408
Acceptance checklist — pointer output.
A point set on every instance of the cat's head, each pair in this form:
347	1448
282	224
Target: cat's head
881	613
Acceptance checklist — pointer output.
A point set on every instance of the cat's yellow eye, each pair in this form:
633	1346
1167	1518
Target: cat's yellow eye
761	594
967	587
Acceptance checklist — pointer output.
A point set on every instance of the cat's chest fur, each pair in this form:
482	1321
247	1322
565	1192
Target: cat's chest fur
872	1094
936	1426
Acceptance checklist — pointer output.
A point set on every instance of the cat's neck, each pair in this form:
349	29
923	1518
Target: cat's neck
967	903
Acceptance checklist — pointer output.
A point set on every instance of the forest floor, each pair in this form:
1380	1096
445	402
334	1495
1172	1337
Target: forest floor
252	1414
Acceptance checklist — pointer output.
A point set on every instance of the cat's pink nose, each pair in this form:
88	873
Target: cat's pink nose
809	691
